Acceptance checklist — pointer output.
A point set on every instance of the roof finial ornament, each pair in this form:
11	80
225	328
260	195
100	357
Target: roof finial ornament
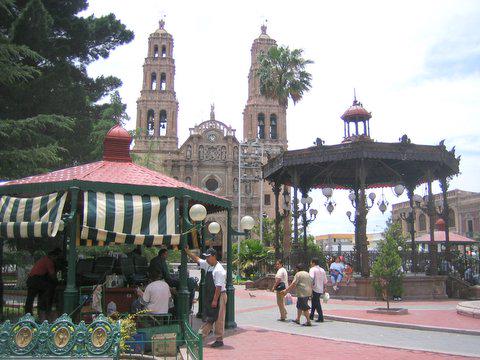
212	111
264	27
355	102
161	23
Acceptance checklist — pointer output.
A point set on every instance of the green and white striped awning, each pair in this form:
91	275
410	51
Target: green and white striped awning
128	219
22	218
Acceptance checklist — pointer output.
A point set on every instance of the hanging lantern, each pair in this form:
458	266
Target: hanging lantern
351	196
399	189
327	192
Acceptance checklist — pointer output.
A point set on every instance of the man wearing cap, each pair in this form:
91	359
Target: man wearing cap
215	294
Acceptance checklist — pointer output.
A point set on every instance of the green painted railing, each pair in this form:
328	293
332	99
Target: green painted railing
25	338
193	342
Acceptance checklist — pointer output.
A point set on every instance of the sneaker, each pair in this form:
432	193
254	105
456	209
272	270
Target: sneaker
311	317
307	324
281	320
319	320
217	343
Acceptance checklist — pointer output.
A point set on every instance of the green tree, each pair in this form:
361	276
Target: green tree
283	75
13	58
32	145
387	268
59	83
252	254
268	231
111	113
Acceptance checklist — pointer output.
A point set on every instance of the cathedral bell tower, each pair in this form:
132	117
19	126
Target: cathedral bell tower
157	107
263	118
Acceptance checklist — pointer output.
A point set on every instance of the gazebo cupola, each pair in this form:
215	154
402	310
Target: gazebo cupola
116	145
356	122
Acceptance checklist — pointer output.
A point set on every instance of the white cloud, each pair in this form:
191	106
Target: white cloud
391	52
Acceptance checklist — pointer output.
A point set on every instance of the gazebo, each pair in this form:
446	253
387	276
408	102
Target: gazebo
112	201
357	164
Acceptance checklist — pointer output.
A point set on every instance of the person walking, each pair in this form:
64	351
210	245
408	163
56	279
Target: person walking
319	278
215	294
336	272
302	282
281	283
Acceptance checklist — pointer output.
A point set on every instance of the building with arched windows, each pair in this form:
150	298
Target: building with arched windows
464	216
209	156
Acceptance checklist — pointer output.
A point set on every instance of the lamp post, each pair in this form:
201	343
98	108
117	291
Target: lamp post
306	201
362	207
246	223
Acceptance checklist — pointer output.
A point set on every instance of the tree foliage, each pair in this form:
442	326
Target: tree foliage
45	48
252	254
387	268
32	144
283	75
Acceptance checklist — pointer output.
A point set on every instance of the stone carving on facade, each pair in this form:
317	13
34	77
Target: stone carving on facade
235	153
224	153
200	152
248	188
188	154
235	185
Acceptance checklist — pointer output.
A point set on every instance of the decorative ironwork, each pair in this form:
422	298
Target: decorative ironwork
101	338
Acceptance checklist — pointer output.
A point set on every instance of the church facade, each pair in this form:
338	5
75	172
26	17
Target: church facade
209	158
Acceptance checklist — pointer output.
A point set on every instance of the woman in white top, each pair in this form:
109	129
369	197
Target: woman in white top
281	283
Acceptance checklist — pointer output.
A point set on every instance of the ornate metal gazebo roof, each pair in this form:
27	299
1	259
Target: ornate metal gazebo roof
337	165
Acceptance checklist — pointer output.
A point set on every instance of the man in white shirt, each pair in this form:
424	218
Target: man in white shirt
281	283
215	294
156	296
319	278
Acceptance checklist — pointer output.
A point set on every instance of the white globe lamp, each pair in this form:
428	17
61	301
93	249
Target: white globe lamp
247	223
197	212
214	228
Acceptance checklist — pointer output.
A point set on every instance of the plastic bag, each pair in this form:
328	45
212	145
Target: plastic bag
326	297
288	299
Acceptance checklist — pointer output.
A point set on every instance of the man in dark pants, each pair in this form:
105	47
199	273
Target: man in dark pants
42	281
319	279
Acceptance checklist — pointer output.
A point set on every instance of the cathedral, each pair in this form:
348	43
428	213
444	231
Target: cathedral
209	158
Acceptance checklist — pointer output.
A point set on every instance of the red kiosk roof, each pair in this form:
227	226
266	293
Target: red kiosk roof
115	168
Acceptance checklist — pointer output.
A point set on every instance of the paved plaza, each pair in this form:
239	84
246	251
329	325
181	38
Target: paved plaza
261	334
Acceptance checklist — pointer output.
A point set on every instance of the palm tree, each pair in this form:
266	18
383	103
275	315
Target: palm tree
282	74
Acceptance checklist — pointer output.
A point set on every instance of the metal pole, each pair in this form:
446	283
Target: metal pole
70	296
431	215
183	293
411	218
446	219
261	199
230	314
276	192
201	288
239	205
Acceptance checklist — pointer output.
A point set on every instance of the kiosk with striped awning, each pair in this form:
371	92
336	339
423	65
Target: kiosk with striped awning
129	219
109	201
27	218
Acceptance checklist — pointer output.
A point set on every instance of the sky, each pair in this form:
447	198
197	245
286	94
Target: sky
414	64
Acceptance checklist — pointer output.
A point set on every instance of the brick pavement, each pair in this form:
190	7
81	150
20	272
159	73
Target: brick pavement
256	343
